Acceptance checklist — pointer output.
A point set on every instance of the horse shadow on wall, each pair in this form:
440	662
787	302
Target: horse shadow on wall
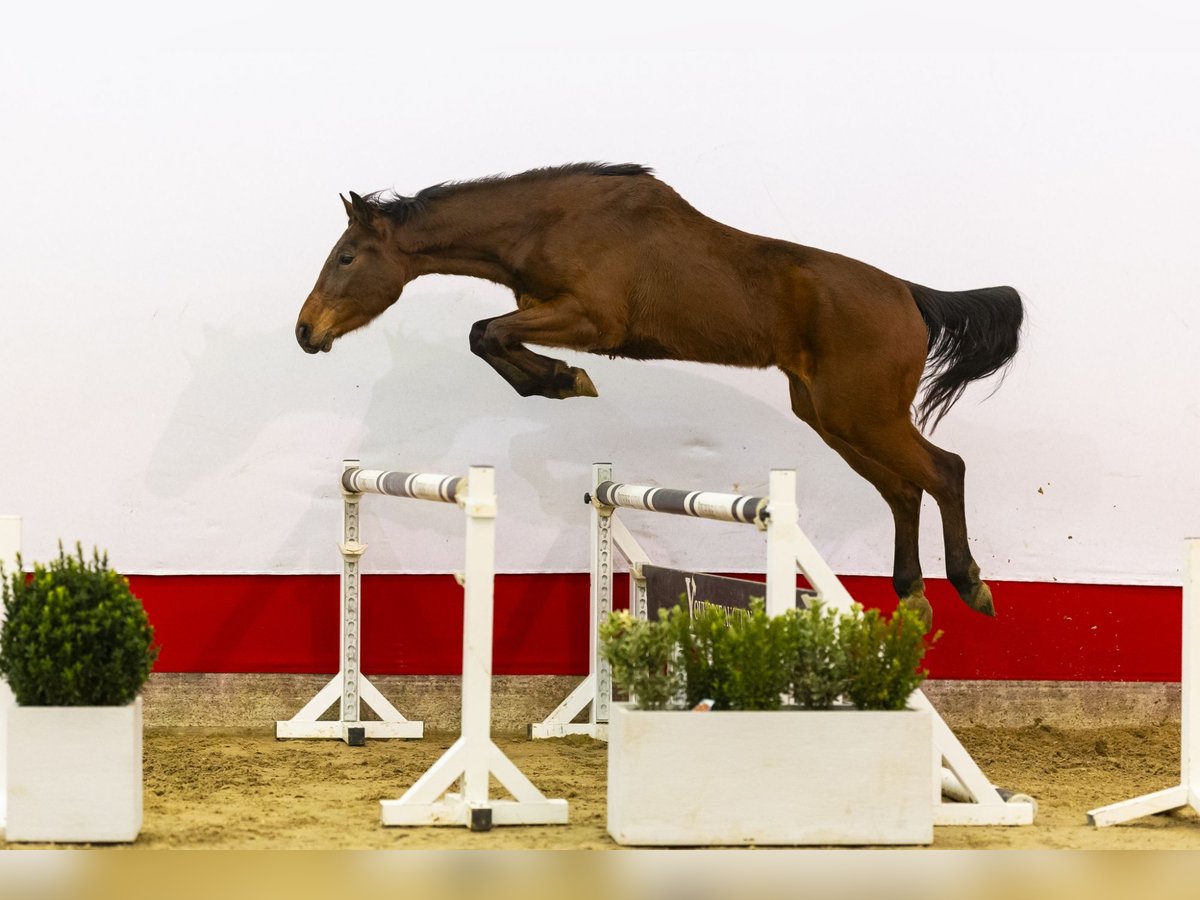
439	408
666	423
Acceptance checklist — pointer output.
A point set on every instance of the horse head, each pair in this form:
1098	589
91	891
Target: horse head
362	277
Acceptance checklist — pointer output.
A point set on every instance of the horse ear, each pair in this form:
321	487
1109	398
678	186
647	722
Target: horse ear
360	211
363	214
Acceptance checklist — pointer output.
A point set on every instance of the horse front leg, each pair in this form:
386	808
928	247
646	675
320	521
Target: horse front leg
500	342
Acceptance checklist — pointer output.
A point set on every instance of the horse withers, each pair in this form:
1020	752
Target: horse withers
608	259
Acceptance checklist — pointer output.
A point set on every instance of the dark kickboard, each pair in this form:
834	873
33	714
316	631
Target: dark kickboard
664	587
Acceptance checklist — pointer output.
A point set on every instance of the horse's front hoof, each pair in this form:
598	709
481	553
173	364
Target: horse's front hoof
980	599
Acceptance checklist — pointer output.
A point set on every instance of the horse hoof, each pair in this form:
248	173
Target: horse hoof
980	599
583	385
920	605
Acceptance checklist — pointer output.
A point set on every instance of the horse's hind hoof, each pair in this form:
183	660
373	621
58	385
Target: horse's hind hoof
568	382
583	386
920	605
980	599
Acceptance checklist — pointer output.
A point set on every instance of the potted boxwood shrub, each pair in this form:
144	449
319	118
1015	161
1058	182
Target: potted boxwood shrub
805	738
76	648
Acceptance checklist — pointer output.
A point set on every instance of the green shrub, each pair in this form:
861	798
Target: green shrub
751	662
882	656
74	634
700	637
748	660
739	660
819	674
641	655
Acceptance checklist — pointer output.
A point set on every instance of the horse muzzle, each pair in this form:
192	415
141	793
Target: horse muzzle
304	337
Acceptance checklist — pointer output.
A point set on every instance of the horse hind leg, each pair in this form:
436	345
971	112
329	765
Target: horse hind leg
961	569
902	497
946	485
888	437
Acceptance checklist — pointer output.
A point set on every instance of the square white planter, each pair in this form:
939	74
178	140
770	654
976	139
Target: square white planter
788	777
75	773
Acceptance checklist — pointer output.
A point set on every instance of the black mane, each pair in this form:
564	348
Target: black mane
400	209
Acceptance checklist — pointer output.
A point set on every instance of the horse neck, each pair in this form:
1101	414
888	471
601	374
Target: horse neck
461	261
475	231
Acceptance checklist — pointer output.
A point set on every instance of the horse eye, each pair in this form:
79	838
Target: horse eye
345	259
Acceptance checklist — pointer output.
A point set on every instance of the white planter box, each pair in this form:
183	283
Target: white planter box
75	773
789	777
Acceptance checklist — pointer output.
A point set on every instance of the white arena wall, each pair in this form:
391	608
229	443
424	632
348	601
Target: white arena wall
170	176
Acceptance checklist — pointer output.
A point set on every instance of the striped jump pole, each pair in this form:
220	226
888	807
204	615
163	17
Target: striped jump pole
776	514
412	485
700	504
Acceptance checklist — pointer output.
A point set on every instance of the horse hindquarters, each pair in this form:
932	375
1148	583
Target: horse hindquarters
862	379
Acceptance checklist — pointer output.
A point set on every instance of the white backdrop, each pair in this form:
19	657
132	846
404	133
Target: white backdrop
168	181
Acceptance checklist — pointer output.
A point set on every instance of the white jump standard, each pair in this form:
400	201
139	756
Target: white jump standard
349	688
788	550
474	756
10	546
1187	792
786	546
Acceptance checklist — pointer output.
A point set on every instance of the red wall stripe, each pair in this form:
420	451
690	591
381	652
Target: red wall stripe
412	624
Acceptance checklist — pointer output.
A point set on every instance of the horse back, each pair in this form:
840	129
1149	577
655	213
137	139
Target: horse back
661	280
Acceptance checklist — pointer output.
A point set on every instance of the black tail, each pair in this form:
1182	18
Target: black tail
972	334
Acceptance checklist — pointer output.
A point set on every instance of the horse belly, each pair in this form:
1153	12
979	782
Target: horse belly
722	347
641	348
725	334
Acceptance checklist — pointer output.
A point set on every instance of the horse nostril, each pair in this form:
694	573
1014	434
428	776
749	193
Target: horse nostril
302	333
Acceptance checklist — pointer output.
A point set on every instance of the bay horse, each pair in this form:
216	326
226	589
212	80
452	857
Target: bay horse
609	259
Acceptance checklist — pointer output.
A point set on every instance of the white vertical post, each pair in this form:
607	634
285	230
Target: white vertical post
351	605
349	689
1188	688
10	546
1187	792
783	526
594	692
480	507
601	596
474	757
